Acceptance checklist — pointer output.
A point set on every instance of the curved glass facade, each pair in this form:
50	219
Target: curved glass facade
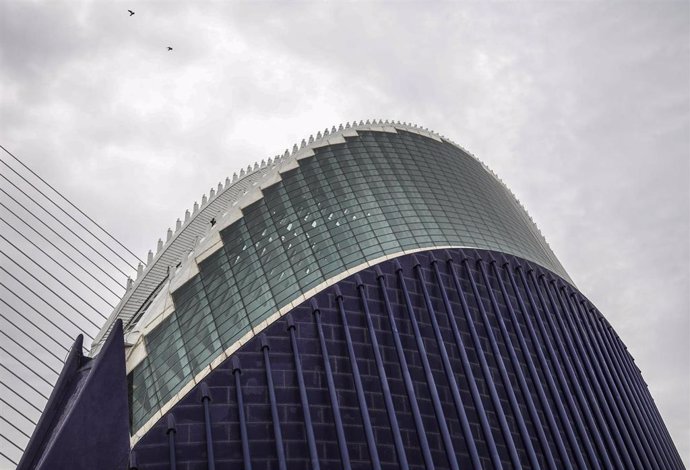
377	195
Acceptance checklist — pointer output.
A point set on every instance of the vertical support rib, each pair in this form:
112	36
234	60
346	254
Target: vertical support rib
601	381
620	392
171	431
383	378
430	382
236	372
522	383
467	368
632	438
407	379
450	375
504	376
577	376
498	407
553	389
635	406
335	407
280	451
536	420
649	411
205	399
615	428
308	426
649	414
507	385
363	409
574	410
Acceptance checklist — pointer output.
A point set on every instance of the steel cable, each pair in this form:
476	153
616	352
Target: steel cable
25	383
4	455
42	346
63	224
27	350
70	203
54	293
29	368
59	281
69	336
11	442
35	245
28	403
15	427
67	214
54	232
44	301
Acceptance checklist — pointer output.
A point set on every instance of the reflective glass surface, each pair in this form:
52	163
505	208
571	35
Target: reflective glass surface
376	195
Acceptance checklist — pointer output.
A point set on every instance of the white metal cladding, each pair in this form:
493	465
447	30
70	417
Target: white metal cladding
178	247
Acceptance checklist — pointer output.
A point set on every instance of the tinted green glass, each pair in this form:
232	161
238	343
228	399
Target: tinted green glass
375	195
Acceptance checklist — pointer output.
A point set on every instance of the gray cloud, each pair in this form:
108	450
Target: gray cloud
582	108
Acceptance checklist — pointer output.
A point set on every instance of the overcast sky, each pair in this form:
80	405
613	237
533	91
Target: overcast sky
583	108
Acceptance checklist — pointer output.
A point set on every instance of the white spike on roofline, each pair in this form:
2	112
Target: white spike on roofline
304	143
205	200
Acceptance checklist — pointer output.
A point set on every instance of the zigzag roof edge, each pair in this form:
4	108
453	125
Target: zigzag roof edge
286	161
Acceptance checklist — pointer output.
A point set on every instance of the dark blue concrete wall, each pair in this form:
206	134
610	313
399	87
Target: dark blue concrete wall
542	380
84	424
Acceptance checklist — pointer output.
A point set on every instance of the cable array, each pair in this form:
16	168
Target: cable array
61	274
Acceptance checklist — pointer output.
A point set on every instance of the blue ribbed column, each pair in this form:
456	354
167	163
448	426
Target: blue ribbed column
631	383
383	378
205	399
616	388
467	368
335	406
133	462
171	431
612	388
498	408
546	371
632	403
536	380
586	427
522	383
275	417
611	404
236	372
647	406
503	371
448	369
588	405
405	370
430	382
361	399
308	426
591	383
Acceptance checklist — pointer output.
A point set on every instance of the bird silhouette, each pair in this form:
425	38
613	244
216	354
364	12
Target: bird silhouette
130	12
169	48
213	221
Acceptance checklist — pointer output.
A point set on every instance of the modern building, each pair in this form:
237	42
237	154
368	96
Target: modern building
375	298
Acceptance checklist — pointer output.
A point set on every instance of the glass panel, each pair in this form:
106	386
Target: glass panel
375	195
197	326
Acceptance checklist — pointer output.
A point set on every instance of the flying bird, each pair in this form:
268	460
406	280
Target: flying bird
169	48
130	12
213	221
